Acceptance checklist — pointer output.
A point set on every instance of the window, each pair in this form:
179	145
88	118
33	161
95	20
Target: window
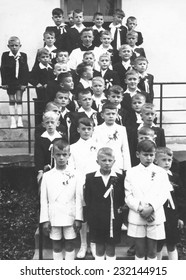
89	7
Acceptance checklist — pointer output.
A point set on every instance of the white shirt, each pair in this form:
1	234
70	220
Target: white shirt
88	113
105	177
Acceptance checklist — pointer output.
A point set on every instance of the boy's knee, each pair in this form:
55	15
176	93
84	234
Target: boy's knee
57	245
69	245
12	102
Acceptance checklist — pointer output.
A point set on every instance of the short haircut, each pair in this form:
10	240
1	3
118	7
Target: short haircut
86	121
131	72
105	151
60	90
62	76
164	150
105	55
50	32
49	105
13	39
146	131
106	32
88	53
84	92
146	146
98	78
115	89
62	50
50	115
82	68
42	51
125	46
147	106
57	12
60	144
119	12
139	58
87	29
97	14
138	96
132	18
132	33
108	105
77	11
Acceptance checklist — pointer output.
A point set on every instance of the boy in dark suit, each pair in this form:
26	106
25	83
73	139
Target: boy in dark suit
60	29
104	198
15	75
118	30
146	80
131	24
132	38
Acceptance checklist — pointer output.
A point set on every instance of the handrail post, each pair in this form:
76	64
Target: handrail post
29	125
161	104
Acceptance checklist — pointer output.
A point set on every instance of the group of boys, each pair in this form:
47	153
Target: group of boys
94	111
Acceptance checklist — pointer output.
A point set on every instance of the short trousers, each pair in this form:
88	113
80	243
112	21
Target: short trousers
156	232
12	89
67	232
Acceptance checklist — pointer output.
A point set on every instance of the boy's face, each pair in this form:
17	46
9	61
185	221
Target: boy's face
106	40
109	116
54	108
85	100
164	161
85	131
131	24
71	19
142	137
50	125
105	162
89	72
58	19
58	69
141	66
115	98
137	104
44	59
67	83
62	57
61	157
125	53
132	81
98	21
104	62
49	40
97	88
78	19
117	19
89	59
14	46
62	99
87	38
148	117
132	40
146	158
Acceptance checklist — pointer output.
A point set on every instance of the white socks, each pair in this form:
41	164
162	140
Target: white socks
139	259
12	110
99	258
70	255
173	255
108	258
57	255
19	109
159	255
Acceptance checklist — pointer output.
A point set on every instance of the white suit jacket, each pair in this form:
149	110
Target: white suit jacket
114	137
146	185
61	201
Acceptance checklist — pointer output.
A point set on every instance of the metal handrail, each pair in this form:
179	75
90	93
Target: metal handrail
161	110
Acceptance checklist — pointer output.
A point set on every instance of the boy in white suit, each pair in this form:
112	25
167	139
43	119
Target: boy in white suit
112	135
146	190
61	203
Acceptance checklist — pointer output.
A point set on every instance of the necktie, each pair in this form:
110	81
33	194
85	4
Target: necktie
118	41
17	65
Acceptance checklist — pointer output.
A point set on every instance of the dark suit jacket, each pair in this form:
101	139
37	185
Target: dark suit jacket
123	33
138	52
61	39
111	78
141	85
73	39
120	69
8	65
126	102
98	207
140	38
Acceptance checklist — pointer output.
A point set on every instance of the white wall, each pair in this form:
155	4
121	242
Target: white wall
162	23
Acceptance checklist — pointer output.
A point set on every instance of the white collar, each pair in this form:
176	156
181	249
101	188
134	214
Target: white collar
132	93
169	172
85	83
17	55
149	168
114	26
89	114
79	29
105	49
63	113
43	66
51	137
94	27
126	64
51	49
98	99
98	174
143	75
142	124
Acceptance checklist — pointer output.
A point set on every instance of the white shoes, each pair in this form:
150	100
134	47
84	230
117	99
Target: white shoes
82	252
19	122
93	249
13	123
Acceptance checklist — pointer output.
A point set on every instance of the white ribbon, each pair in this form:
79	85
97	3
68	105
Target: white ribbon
68	122
107	193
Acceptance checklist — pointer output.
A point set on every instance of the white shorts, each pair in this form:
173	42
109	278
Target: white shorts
156	232
67	232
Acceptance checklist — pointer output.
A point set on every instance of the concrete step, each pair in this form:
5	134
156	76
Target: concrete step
121	249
